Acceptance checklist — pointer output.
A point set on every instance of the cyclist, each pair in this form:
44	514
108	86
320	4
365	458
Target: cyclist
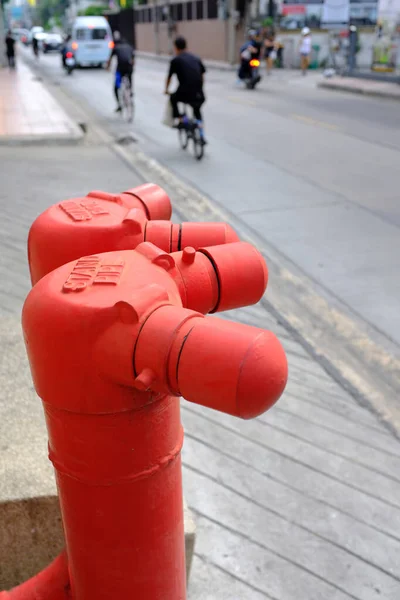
190	73
125	63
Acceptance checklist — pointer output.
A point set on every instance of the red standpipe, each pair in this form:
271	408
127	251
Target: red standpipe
113	341
103	222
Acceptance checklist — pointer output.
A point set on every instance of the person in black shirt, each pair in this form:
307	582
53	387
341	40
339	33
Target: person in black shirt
125	63
35	46
189	71
10	49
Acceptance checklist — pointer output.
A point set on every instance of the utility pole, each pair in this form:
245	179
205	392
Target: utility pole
169	25
231	14
2	37
156	28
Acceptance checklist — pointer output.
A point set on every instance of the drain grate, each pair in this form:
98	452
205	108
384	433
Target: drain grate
126	140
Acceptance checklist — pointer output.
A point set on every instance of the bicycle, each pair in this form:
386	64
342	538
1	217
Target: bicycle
188	130
126	96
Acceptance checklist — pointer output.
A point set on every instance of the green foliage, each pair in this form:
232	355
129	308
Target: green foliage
51	11
97	11
93	11
268	22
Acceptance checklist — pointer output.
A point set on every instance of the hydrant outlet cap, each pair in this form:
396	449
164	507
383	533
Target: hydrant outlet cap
242	274
155	200
263	376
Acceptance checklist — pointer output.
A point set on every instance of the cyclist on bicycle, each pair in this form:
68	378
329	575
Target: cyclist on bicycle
190	73
125	62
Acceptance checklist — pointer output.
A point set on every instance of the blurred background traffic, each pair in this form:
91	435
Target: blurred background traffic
216	28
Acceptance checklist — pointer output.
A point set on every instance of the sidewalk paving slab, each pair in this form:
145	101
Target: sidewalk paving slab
366	87
28	112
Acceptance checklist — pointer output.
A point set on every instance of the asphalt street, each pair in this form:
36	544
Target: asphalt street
313	172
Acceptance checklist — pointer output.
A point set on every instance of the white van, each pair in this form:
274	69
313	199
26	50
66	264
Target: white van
92	41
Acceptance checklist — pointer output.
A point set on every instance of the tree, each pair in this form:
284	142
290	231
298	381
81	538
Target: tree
52	9
93	11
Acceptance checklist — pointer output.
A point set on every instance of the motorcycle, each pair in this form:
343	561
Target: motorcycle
253	76
249	71
69	62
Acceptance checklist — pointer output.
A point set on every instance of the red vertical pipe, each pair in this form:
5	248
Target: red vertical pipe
119	482
111	348
115	448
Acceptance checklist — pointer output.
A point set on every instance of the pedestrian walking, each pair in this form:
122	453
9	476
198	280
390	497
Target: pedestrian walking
35	46
10	49
269	51
305	49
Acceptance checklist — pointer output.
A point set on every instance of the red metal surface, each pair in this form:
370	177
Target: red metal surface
103	222
50	584
148	197
113	340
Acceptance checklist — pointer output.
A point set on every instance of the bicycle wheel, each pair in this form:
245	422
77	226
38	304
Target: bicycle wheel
198	144
183	138
127	100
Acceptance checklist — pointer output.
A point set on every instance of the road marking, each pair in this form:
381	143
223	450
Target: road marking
311	121
238	100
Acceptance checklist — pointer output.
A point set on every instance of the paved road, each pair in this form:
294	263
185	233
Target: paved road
311	171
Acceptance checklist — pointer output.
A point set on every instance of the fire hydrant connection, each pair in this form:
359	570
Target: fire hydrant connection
102	222
113	340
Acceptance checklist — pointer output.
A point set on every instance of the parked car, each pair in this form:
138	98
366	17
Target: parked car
34	33
52	43
21	35
40	38
292	22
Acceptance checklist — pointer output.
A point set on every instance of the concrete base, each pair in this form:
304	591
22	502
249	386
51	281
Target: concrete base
32	536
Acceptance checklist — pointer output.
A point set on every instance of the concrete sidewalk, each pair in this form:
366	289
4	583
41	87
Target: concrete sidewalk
29	114
367	87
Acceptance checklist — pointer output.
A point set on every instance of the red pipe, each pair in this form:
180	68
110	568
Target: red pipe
50	584
112	342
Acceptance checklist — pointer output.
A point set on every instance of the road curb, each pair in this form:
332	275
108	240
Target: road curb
210	64
342	87
43	140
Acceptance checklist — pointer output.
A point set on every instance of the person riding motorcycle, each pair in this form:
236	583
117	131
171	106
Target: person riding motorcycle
65	48
249	50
